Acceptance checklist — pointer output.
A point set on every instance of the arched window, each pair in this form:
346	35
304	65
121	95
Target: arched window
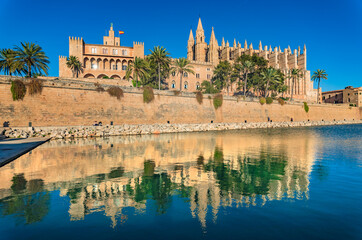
173	85
173	73
124	65
186	85
185	74
197	86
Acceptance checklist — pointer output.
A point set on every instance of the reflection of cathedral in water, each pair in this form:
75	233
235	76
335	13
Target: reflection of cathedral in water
222	171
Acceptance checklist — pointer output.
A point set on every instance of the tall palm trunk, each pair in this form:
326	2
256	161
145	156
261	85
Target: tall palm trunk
159	77
319	81
292	90
246	79
29	70
181	73
266	89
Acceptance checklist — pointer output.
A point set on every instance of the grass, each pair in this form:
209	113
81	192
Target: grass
281	101
115	92
99	88
18	90
148	95
199	97
218	99
35	86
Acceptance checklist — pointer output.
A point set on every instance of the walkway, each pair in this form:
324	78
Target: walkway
11	149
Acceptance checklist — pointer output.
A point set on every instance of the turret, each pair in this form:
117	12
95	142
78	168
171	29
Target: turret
200	36
190	46
223	42
213	46
260	46
245	45
234	43
200	45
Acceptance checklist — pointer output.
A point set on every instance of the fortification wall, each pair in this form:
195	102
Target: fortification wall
60	106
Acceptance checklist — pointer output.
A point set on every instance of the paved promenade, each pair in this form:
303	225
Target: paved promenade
11	149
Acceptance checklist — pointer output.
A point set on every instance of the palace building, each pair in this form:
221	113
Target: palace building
110	60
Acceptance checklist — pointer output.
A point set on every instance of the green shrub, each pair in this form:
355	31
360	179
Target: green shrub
115	92
148	95
199	97
306	107
269	100
218	98
35	86
209	97
281	101
262	100
18	90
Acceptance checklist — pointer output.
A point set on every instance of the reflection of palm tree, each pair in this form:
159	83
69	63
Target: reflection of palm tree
30	205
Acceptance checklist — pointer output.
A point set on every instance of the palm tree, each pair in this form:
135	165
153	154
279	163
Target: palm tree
161	58
139	68
270	76
75	65
294	75
317	76
32	57
8	64
181	66
247	67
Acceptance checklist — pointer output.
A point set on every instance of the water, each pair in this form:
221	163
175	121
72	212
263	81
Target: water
302	183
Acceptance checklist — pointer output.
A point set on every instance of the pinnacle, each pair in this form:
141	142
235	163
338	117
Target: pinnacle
199	25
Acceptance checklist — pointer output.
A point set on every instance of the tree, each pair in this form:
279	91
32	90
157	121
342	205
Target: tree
75	65
317	76
247	67
208	87
182	66
32	57
222	75
8	64
139	68
270	76
160	57
294	75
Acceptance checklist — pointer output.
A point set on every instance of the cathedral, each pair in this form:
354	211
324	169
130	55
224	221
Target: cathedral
205	56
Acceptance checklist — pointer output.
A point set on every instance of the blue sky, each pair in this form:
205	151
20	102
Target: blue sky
331	29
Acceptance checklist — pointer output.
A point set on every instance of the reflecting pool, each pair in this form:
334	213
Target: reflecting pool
279	183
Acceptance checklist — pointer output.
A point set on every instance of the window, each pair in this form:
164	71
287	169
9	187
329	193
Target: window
186	85
197	86
173	73
124	52
115	51
94	50
324	97
124	66
197	75
207	69
173	85
208	76
114	67
94	66
105	51
106	42
185	74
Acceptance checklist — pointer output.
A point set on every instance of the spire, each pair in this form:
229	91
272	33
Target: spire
223	42
239	45
199	25
304	49
212	37
270	48
234	43
245	45
280	49
111	27
289	50
251	46
227	44
298	50
191	37
260	46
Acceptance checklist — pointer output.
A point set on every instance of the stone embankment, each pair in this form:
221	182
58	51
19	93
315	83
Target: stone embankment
123	130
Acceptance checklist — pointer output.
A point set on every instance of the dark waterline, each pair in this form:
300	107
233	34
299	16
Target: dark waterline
302	183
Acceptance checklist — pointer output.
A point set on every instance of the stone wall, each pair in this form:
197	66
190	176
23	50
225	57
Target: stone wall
79	104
